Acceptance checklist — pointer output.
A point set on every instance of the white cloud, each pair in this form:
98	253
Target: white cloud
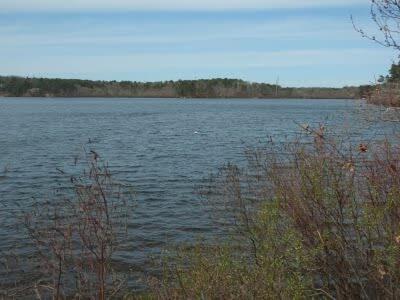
301	67
208	60
106	35
90	5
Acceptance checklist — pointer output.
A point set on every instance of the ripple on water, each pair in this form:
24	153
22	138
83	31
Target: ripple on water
161	148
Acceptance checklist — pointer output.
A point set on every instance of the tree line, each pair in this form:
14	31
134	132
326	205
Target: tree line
14	86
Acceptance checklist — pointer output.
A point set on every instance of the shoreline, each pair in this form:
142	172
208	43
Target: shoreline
218	88
178	98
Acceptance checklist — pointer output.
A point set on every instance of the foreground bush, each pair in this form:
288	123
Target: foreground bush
323	220
74	237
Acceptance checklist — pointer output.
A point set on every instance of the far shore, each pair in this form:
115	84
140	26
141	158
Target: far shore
218	88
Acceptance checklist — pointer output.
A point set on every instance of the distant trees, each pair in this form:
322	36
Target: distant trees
15	86
186	88
201	88
19	86
394	72
366	91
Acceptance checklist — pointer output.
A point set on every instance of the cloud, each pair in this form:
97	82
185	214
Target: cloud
117	5
300	67
304	47
168	35
207	60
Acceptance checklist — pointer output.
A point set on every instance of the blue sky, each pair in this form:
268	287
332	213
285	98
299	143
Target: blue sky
304	42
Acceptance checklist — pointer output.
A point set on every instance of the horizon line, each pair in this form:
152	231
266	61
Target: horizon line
177	80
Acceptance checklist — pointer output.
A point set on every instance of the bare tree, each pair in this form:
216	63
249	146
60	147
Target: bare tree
386	15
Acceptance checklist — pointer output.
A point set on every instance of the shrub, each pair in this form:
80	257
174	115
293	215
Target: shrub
323	220
387	94
75	238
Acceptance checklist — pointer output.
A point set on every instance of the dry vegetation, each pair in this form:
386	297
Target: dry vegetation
74	239
322	221
387	94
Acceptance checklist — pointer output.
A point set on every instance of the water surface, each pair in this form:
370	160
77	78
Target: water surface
161	147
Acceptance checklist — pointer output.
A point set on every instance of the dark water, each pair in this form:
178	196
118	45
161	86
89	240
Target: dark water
163	148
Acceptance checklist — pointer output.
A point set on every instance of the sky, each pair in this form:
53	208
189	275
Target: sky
301	42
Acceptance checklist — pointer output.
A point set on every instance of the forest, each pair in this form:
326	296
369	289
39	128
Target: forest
13	86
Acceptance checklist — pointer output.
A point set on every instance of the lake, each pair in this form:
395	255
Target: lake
163	148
